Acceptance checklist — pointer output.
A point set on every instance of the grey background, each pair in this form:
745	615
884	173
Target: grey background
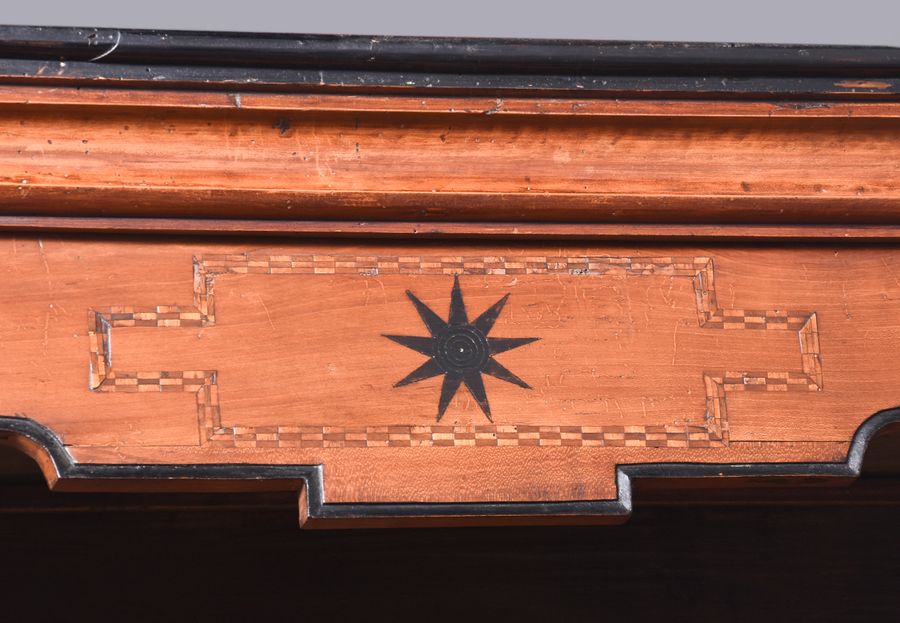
857	22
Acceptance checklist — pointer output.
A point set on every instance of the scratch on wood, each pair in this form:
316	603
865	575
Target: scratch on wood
111	49
675	342
266	309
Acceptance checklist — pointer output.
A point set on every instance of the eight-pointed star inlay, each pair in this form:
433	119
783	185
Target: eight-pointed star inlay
460	350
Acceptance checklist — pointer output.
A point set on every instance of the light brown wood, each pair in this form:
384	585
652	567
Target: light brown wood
718	354
198	285
411	158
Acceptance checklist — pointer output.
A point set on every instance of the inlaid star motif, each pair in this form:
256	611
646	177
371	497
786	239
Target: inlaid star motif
460	350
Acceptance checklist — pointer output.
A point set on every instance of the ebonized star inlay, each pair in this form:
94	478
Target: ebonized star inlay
460	350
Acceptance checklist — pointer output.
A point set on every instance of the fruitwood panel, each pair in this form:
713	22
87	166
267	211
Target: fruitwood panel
605	163
174	352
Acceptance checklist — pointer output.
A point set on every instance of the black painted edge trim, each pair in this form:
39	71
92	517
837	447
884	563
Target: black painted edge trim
459	54
152	59
318	508
525	81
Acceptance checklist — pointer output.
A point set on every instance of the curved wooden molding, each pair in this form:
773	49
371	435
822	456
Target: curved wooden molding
102	153
314	511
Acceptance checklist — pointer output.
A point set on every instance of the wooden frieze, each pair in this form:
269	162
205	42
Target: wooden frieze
463	305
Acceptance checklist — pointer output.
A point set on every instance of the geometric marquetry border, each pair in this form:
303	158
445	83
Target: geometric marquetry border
714	431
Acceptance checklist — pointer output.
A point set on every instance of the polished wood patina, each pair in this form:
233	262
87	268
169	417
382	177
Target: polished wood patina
447	302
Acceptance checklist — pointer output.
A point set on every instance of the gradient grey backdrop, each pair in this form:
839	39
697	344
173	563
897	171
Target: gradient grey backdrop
861	22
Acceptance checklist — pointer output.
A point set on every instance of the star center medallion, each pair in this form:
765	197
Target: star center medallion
460	350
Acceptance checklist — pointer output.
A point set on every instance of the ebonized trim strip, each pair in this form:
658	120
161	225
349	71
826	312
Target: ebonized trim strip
449	230
318	508
456	54
302	80
181	59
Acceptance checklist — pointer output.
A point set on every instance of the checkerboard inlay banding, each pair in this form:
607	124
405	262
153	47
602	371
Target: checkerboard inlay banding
714	431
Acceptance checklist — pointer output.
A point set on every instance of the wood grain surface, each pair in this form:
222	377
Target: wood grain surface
132	153
175	352
206	279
